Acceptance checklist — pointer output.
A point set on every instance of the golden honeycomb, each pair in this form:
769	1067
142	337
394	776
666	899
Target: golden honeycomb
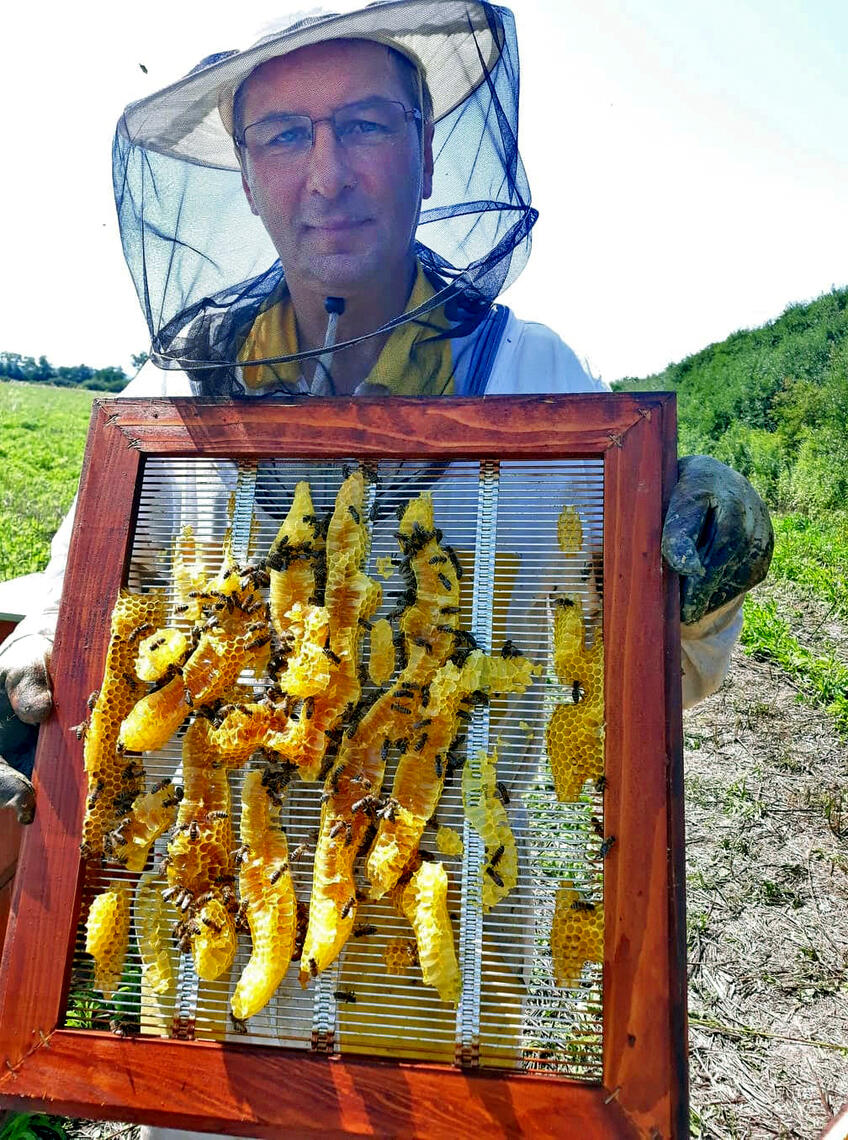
151	815
575	731
295	558
233	636
107	933
381	663
575	743
158	652
577	935
449	842
424	901
400	955
569	531
267	893
154	919
485	811
112	781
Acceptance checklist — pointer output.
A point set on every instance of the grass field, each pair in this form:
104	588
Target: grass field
42	436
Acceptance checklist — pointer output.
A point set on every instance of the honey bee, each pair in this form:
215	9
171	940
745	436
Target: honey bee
214	926
139	631
493	874
157	787
354	514
437	560
577	692
601	783
92	700
496	856
337	828
451	553
348	906
582	905
597	827
217	815
334	657
238	1025
342	995
400	709
193	830
79	730
96	793
439	767
503	794
607	846
419	744
277	873
508	649
313	968
445	580
449	609
363	929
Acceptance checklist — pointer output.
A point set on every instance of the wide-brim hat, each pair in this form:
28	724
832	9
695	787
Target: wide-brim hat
454	44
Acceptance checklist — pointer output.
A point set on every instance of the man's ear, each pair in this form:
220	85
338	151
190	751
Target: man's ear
245	185
427	148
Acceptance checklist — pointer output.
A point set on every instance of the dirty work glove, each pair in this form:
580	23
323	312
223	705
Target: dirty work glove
25	701
717	535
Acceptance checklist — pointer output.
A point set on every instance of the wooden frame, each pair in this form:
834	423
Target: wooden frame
259	1091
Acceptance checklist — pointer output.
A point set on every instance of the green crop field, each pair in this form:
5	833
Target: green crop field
42	437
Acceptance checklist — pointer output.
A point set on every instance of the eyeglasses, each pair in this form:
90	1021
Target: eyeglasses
363	126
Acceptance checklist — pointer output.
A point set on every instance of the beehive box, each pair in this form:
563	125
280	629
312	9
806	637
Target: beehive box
569	996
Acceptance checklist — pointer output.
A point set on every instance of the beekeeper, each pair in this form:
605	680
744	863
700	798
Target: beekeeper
334	211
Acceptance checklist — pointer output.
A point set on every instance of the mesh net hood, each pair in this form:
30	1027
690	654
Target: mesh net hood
203	263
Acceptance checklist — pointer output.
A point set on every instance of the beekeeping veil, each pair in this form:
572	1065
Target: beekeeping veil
203	264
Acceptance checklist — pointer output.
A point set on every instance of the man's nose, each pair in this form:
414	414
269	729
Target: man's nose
329	169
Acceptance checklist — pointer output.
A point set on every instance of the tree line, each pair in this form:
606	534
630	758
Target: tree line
13	366
773	403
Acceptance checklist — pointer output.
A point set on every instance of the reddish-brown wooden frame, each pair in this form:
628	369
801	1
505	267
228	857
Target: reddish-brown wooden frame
259	1091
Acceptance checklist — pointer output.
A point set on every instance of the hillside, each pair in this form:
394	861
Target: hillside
772	402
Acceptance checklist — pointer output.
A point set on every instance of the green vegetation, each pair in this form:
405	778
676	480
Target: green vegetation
42	436
773	403
13	366
32	1126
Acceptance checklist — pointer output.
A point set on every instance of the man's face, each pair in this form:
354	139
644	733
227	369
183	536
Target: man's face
340	218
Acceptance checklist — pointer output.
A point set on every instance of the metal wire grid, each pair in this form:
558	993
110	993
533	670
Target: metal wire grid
501	518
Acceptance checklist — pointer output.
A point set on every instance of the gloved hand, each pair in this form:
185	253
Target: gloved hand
717	535
25	701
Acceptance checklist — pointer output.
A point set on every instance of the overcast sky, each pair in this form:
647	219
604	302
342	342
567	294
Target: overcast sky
689	159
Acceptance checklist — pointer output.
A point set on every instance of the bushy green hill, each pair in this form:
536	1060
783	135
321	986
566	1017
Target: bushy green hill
773	403
42	437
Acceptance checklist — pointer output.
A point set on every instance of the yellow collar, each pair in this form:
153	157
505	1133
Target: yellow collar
411	363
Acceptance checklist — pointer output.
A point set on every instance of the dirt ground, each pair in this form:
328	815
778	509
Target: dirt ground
767	859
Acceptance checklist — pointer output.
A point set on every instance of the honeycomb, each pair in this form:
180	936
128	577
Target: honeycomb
158	652
151	815
569	531
400	955
107	933
575	732
199	857
381	663
307	671
449	842
357	774
485	811
420	776
267	893
577	935
154	919
295	560
350	599
247	726
424	901
575	743
111	780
